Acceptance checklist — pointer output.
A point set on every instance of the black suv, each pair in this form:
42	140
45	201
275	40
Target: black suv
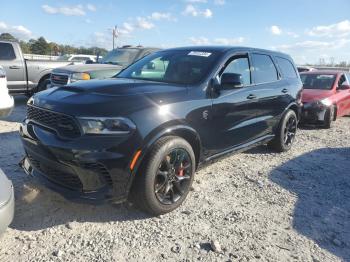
143	133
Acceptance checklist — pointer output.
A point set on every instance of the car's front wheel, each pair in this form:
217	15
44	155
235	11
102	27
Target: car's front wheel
286	132
329	117
165	176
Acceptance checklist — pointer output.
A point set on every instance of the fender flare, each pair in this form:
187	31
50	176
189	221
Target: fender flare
295	107
175	130
43	74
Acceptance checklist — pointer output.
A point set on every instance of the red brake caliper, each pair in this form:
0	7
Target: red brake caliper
181	171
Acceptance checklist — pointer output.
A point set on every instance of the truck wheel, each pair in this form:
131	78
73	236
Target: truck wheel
165	177
286	132
329	117
42	85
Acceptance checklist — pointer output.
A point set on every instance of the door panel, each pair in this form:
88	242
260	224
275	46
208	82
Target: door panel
273	98
234	108
12	62
234	120
273	93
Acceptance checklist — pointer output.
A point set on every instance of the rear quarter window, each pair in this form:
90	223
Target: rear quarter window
287	68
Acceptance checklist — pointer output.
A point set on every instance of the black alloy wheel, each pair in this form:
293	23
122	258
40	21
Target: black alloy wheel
290	131
285	133
173	176
165	176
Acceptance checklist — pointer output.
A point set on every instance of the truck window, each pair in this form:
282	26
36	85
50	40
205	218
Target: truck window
264	69
287	68
240	66
7	52
342	80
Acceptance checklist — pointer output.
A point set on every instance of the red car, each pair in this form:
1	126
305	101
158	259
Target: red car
326	96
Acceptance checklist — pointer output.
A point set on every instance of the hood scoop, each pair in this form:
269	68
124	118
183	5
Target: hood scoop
74	89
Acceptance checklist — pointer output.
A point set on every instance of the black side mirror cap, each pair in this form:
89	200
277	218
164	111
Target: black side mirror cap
231	81
344	87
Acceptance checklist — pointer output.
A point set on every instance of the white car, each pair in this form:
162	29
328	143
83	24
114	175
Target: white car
7	199
7	202
6	101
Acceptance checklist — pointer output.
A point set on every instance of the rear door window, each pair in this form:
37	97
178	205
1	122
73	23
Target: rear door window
7	52
287	68
264	70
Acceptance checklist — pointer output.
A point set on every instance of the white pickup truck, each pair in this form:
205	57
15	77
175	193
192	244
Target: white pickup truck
25	76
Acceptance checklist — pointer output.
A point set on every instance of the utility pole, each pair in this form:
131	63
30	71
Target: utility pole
114	34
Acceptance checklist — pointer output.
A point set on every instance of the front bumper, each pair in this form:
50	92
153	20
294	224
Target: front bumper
6	105
313	113
90	169
7	212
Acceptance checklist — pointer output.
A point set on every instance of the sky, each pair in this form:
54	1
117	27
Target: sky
306	29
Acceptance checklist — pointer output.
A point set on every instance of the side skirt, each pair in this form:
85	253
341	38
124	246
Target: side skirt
236	149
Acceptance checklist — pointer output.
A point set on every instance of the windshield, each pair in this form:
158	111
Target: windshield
172	66
318	81
123	57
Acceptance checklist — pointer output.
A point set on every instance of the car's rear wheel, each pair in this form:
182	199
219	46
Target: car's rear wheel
286	132
329	117
165	177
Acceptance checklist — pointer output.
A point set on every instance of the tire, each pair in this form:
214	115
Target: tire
329	117
42	85
153	180
286	132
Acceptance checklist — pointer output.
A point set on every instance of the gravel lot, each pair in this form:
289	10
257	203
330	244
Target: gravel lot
252	206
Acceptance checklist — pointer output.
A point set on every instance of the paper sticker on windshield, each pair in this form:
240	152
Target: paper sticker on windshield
197	53
325	76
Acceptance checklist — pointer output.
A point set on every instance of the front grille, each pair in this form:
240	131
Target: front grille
64	125
100	169
68	180
58	79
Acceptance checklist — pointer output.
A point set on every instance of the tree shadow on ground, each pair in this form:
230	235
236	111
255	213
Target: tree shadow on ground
321	181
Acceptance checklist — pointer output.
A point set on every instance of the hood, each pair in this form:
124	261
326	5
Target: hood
310	95
85	68
109	97
5	189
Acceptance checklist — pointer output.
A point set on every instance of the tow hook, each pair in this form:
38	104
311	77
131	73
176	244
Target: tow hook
26	166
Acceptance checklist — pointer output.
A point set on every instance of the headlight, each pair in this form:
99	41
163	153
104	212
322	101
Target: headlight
326	102
109	126
80	76
2	73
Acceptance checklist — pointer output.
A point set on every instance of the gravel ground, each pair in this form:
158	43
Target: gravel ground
252	206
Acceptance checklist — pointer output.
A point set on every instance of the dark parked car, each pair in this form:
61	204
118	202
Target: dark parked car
143	134
111	64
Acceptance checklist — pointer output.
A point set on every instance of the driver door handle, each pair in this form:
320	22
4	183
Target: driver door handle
251	96
14	67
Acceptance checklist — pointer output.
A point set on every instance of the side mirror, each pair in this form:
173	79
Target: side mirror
231	80
151	66
344	87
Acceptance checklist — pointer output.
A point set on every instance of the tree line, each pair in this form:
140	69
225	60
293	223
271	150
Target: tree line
41	47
